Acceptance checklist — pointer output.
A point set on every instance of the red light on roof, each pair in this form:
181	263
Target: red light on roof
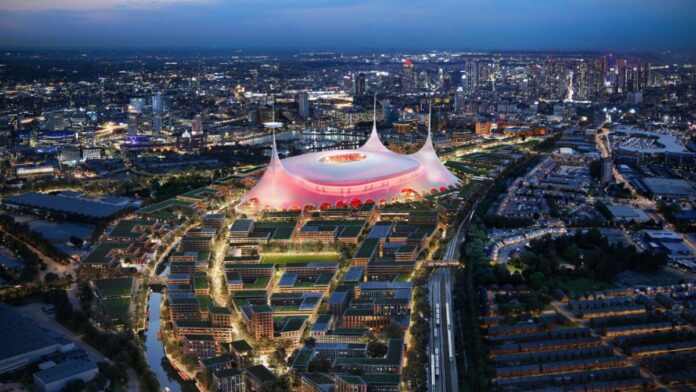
408	62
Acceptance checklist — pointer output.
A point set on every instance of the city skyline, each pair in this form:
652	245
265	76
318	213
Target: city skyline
355	25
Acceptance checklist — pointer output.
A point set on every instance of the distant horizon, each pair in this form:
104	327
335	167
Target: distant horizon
337	51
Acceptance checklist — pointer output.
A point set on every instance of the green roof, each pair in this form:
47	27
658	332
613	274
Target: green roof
241	346
200	282
367	248
98	255
350	231
219	310
124	228
114	287
169	203
200	193
303	357
205	301
260	373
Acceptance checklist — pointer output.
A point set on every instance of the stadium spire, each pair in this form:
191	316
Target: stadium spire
373	143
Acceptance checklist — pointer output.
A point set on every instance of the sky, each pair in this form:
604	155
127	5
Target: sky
616	25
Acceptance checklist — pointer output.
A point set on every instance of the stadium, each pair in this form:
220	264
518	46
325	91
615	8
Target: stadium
369	174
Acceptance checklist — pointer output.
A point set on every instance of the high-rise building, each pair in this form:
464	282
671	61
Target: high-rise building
459	99
607	167
470	79
390	113
359	85
347	83
423	83
157	110
303	99
445	81
135	111
197	125
133	119
408	79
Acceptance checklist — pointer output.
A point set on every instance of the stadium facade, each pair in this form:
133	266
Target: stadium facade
371	173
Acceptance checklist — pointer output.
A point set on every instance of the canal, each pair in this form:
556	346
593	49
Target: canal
169	378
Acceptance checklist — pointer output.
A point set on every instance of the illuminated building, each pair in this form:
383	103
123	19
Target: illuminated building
157	110
408	81
303	99
368	174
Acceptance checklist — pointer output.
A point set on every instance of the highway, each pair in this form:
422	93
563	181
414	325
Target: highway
443	361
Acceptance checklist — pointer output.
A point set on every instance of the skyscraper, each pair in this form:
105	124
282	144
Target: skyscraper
303	99
470	79
459	99
408	79
135	110
359	84
445	81
157	110
389	113
347	83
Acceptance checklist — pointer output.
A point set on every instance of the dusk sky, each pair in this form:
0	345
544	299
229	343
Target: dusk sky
350	24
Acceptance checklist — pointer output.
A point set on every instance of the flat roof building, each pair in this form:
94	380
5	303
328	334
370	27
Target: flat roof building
55	378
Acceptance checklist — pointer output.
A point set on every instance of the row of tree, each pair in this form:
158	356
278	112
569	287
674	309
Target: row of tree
33	238
31	262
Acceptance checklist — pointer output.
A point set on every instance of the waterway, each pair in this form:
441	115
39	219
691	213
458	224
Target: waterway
316	136
167	375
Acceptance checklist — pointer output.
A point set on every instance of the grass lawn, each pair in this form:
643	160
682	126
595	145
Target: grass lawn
582	285
280	258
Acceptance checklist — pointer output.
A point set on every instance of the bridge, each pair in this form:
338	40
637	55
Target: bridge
157	280
441	263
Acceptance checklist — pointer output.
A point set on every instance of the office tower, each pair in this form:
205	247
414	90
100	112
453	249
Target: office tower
588	80
470	79
133	120
347	83
445	81
197	125
157	110
459	99
423	80
408	79
303	100
607	167
359	84
390	113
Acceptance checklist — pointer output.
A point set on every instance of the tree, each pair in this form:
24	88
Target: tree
376	349
393	331
279	357
76	241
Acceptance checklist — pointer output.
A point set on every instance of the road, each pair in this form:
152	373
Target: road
455	244
443	361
